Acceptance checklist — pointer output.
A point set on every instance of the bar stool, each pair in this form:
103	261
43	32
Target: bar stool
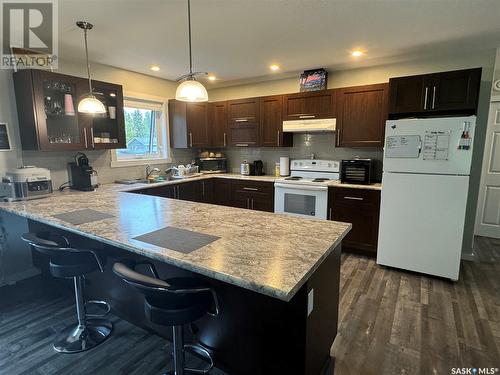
68	262
173	302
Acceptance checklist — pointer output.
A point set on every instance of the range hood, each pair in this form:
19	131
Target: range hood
309	125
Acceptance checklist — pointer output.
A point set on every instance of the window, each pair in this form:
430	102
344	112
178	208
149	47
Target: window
145	129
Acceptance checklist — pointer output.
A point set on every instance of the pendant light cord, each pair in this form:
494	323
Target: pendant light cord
87	57
189	31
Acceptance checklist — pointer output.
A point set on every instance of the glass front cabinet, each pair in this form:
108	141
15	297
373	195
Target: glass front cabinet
47	106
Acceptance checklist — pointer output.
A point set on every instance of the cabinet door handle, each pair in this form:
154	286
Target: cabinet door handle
354	198
278	138
251	189
252	203
85	137
203	188
190	139
241	120
426	95
248	202
339	136
225	142
307	116
241	144
433	96
92	136
330	214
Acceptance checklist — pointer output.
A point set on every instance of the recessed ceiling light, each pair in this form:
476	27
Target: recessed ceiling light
357	53
274	67
212	78
155	68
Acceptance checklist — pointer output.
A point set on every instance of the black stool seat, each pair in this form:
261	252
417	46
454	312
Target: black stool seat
173	302
70	262
75	265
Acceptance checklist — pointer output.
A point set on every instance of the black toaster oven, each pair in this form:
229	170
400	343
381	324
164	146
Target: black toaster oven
356	171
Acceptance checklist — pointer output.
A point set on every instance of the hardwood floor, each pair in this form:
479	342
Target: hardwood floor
391	322
394	322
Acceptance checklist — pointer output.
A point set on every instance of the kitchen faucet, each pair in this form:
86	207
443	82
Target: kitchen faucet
150	170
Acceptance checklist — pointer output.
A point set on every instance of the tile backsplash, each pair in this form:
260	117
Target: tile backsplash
100	160
322	145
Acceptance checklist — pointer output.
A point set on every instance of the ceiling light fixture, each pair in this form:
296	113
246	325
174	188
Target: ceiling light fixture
155	68
274	67
89	103
191	90
357	53
212	78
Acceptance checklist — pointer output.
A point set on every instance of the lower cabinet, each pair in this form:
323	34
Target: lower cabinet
254	195
361	207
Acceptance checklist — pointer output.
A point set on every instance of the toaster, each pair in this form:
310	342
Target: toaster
26	183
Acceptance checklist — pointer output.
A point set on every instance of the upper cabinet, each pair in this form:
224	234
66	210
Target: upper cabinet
271	123
243	122
218	123
309	105
361	115
188	124
47	105
454	92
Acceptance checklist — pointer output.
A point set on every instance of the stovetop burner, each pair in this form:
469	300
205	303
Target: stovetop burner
320	179
293	178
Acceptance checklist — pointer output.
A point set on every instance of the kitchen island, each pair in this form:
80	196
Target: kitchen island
277	276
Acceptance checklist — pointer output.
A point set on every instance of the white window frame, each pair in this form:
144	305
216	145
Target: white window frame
157	104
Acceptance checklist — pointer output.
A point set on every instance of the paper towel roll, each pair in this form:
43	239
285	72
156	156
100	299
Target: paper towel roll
284	166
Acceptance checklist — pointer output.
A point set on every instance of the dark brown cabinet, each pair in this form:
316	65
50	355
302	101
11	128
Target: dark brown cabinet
243	122
47	106
271	123
309	105
361	207
188	124
254	195
361	115
446	93
218	123
222	191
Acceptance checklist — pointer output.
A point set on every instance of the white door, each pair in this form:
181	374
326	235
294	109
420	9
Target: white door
429	145
422	222
488	211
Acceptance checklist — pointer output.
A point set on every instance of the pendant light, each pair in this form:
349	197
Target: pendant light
89	103
191	90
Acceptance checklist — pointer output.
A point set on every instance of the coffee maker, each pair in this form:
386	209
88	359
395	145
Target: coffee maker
81	175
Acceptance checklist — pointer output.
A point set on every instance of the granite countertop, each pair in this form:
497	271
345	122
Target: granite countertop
268	253
236	176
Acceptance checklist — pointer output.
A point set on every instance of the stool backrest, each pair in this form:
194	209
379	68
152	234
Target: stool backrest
49	245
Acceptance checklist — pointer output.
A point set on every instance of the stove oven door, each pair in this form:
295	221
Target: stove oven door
301	200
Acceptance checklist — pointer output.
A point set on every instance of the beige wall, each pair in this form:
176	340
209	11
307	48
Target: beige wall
133	84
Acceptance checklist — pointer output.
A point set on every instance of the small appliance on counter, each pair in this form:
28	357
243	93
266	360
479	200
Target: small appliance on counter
212	164
81	175
284	166
258	168
245	168
25	183
356	171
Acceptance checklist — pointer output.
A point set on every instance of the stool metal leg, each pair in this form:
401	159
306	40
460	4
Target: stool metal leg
87	333
178	338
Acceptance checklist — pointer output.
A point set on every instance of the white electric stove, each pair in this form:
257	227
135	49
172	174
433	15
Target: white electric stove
305	192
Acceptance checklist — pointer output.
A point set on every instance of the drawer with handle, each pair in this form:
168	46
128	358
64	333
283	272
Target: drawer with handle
364	197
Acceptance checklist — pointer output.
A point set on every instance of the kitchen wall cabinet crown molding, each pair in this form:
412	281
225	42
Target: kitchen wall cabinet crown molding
48	118
445	93
361	115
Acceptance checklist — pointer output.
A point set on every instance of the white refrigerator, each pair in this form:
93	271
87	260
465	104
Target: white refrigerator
424	194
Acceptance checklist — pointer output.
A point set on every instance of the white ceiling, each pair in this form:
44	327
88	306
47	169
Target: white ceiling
237	40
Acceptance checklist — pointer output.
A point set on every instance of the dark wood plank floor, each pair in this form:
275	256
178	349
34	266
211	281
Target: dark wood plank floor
394	322
391	322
